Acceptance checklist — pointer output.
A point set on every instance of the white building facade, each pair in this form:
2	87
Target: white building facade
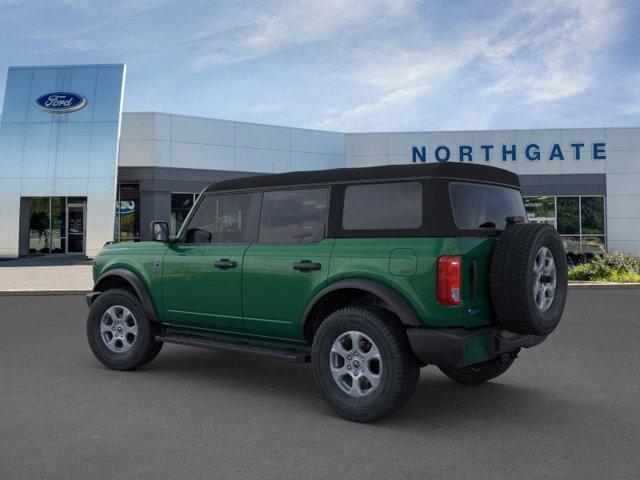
87	184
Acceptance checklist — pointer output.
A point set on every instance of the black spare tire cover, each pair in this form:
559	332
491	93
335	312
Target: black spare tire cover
528	278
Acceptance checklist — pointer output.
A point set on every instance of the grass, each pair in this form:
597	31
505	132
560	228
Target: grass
613	266
585	271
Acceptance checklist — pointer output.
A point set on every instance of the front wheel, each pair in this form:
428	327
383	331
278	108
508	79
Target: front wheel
363	364
119	333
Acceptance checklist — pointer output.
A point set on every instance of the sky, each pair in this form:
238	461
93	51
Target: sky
351	66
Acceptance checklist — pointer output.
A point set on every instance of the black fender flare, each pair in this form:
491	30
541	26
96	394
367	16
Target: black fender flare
136	283
397	304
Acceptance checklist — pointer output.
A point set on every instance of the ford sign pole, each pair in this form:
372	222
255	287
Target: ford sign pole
61	102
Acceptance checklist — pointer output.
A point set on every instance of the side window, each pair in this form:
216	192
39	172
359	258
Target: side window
220	219
379	206
293	216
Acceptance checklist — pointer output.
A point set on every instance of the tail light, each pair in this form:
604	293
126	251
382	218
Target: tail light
449	280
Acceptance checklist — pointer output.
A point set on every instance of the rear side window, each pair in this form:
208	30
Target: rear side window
389	206
477	206
220	219
293	216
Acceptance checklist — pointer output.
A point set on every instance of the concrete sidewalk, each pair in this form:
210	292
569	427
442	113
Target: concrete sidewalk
45	276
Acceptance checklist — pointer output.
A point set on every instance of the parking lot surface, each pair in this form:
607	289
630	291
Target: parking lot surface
569	408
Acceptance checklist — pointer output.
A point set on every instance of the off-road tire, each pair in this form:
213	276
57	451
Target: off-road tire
400	370
144	349
480	372
511	278
153	352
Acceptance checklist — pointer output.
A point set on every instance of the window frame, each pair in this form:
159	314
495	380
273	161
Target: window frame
325	234
436	222
195	195
251	230
437	211
580	233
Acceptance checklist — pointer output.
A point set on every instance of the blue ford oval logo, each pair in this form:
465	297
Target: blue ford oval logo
61	102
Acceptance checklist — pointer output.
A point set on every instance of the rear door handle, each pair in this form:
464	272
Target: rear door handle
306	265
225	264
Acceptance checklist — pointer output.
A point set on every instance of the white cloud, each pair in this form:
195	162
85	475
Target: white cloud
398	98
286	24
534	55
349	64
550	57
631	103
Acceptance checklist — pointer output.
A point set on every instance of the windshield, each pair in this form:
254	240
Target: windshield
477	206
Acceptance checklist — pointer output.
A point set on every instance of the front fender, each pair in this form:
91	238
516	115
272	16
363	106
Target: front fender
134	281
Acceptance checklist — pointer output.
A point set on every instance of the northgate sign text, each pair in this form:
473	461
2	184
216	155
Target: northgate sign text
577	151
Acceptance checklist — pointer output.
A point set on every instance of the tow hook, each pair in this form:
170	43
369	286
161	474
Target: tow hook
512	355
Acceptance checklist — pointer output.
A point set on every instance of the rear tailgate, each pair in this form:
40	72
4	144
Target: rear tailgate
476	299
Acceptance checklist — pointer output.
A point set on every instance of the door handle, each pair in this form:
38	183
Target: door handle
225	264
306	265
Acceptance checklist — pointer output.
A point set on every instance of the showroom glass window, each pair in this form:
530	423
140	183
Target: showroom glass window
580	220
58	224
181	204
293	216
127	226
382	206
541	209
52	225
39	225
220	219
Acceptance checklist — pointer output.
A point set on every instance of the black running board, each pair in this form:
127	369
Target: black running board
288	355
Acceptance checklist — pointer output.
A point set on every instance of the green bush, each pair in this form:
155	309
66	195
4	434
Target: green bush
614	266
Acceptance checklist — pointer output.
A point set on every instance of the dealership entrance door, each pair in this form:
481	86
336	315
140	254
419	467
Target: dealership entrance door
53	225
76	232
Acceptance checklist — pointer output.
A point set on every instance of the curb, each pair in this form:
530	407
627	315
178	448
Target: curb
41	293
602	285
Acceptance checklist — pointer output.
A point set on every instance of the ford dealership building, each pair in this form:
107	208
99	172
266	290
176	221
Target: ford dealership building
76	172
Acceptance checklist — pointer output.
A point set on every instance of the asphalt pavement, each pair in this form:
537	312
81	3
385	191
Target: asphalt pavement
569	408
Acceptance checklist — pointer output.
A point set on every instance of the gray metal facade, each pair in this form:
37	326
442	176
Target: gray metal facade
568	184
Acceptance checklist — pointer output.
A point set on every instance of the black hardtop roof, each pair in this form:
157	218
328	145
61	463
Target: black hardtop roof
462	171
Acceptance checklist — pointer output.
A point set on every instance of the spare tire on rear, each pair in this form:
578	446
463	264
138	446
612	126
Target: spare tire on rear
528	278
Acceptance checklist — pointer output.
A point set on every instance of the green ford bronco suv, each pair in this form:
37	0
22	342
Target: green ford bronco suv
368	273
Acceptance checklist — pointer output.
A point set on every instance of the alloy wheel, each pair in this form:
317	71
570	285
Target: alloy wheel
118	329
544	279
356	364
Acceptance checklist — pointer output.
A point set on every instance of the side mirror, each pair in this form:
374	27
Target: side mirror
159	231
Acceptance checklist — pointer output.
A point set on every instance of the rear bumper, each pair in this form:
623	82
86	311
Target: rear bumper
459	347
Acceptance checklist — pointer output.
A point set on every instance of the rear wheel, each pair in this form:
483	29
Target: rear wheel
119	333
363	364
481	372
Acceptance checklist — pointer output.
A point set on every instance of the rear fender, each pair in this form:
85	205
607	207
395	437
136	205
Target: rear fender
392	299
